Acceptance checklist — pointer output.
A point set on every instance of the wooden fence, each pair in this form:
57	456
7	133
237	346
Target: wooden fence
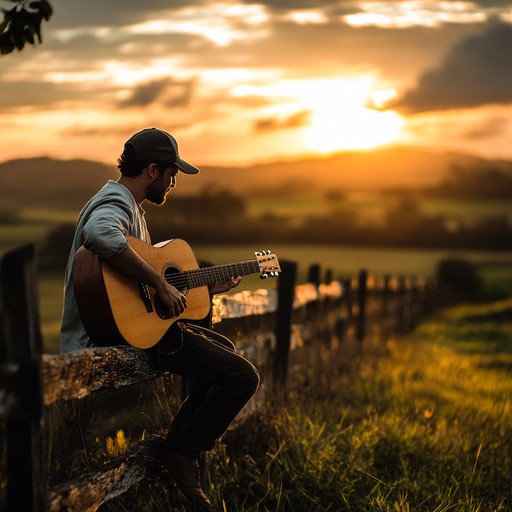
269	324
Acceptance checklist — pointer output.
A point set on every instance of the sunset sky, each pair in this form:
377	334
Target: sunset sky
242	82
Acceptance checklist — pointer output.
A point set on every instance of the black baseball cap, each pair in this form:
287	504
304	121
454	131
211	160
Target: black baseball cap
152	144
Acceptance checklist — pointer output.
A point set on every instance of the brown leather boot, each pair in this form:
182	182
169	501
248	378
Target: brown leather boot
186	473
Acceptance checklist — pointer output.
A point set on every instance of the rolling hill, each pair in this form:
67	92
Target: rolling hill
46	182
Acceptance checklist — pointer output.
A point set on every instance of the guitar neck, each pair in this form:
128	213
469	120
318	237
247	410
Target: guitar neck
209	275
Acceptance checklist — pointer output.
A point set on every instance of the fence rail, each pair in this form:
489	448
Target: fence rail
273	324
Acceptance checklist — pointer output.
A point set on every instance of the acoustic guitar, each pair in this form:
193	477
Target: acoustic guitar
117	309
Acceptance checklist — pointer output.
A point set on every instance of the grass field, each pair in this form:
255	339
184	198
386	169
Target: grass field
371	206
427	428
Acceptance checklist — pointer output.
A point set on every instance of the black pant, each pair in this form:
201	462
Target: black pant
222	384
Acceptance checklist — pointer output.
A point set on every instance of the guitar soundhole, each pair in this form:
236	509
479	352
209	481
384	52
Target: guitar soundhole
172	276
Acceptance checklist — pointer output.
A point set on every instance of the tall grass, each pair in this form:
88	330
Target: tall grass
427	428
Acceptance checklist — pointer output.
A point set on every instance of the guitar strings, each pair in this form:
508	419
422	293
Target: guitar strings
206	275
200	277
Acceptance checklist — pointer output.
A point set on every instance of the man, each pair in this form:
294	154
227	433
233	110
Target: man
223	381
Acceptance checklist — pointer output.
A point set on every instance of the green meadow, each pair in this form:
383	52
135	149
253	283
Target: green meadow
425	427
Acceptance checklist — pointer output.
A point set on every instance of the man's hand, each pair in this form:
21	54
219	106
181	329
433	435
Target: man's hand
224	286
171	299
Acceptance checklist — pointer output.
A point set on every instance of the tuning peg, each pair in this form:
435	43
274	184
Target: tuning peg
258	253
264	276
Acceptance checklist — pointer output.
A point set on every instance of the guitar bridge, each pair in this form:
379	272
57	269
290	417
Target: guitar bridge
146	297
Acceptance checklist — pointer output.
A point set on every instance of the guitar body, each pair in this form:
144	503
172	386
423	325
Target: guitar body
116	309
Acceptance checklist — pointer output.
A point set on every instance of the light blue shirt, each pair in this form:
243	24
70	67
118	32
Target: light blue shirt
102	227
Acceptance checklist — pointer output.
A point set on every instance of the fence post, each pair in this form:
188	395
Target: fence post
285	298
361	301
401	298
314	274
21	397
347	297
385	296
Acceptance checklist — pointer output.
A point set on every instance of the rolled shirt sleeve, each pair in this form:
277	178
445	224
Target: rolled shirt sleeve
102	227
106	230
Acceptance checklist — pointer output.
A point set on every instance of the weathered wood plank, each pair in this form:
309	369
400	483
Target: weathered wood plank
260	302
77	374
244	303
89	491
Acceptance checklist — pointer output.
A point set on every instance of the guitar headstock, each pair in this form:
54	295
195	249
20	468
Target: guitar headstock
268	263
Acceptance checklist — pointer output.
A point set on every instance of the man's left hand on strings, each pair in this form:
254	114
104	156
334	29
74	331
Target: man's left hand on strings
224	286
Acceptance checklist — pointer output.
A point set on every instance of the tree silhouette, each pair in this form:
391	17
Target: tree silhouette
22	24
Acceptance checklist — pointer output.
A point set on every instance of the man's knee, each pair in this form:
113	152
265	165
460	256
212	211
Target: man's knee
251	379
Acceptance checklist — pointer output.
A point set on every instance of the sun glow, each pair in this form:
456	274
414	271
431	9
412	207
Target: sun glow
339	117
338	113
341	120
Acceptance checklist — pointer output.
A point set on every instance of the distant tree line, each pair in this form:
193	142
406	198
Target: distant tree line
483	182
221	217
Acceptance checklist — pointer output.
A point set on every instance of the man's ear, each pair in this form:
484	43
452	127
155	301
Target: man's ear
152	171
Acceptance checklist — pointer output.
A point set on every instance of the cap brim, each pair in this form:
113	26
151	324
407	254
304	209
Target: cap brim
185	167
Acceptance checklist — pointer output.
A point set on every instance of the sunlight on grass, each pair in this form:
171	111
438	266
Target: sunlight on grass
426	429
115	446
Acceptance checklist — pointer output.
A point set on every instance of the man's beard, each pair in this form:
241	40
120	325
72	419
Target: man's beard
156	193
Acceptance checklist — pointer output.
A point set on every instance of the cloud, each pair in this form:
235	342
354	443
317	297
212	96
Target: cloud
36	95
296	5
495	126
475	72
146	94
118	62
493	3
81	131
93	33
295	120
116	13
176	93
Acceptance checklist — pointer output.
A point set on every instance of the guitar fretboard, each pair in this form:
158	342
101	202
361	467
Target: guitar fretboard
209	275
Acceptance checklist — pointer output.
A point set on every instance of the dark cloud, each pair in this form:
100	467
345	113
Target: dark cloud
477	71
492	3
295	120
174	93
36	95
113	13
146	94
293	5
90	51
